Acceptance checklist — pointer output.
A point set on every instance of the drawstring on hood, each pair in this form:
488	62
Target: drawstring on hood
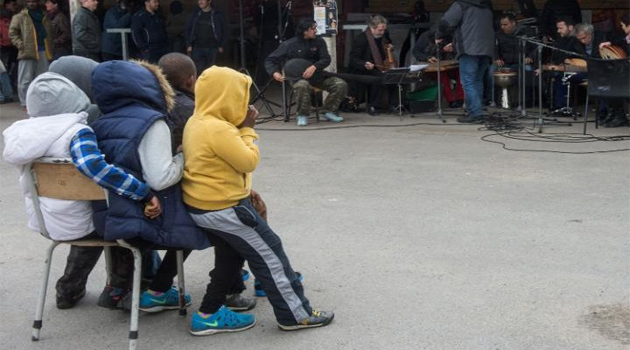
222	93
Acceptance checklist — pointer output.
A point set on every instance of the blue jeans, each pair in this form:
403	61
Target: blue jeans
6	91
471	74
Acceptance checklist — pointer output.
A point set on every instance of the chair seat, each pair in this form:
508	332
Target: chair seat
90	242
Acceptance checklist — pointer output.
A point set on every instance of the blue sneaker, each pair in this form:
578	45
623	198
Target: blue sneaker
151	301
302	120
245	275
260	292
221	321
333	117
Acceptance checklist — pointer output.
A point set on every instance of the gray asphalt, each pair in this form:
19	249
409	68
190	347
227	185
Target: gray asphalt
418	237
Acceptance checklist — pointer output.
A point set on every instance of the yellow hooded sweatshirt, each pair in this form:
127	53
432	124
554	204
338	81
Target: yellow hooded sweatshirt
219	157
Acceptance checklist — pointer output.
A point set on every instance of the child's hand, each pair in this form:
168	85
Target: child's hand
250	118
259	204
153	209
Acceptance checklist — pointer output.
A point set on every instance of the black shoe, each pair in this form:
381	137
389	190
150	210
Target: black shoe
317	319
69	302
237	302
115	298
372	111
456	104
467	119
617	122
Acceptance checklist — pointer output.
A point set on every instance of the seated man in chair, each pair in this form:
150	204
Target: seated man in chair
308	46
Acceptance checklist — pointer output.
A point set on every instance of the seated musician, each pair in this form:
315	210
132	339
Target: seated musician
587	46
308	46
507	50
615	115
368	56
425	50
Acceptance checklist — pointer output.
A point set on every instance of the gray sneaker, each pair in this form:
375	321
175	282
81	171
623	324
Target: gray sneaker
317	319
237	302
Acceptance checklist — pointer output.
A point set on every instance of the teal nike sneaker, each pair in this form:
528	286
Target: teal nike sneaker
222	321
151	301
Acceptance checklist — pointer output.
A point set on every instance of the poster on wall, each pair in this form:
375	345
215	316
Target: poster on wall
326	16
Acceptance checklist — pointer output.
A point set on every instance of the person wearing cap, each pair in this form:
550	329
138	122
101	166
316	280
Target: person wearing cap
307	45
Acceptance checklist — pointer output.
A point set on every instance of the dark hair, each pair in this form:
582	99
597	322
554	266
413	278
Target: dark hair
568	21
509	15
305	25
8	1
176	7
177	67
625	18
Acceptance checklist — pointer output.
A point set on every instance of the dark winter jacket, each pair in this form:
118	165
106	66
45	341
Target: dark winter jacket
149	31
115	17
508	47
471	22
61	32
178	116
312	50
86	33
361	51
132	98
425	47
219	24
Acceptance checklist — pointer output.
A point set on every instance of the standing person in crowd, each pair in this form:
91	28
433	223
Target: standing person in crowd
217	183
367	57
60	26
118	16
176	27
30	32
206	35
556	9
471	21
307	45
615	116
86	31
425	50
8	52
149	32
6	90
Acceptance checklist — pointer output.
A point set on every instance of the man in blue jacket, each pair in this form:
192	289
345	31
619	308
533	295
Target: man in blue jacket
149	32
206	35
117	16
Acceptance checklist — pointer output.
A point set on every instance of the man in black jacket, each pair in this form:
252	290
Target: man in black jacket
367	57
555	9
86	31
149	32
306	45
206	35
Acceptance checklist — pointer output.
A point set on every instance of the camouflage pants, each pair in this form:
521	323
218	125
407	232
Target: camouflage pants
337	90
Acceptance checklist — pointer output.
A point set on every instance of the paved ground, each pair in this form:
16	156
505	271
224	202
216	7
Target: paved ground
418	237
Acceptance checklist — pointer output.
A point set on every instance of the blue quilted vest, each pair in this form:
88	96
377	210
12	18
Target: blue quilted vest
126	119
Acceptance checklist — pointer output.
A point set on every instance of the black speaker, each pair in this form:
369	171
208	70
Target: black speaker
609	78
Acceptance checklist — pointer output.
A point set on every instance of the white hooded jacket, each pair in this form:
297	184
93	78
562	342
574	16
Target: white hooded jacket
57	112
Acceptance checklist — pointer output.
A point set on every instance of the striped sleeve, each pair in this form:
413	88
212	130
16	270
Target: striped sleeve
89	160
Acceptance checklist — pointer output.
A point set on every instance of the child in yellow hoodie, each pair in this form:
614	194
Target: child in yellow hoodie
220	156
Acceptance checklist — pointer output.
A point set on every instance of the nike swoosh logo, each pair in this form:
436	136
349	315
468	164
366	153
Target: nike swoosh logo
211	324
162	302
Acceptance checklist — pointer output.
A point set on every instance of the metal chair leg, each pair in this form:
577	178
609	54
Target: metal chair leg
37	324
181	286
108	264
316	107
135	297
586	113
